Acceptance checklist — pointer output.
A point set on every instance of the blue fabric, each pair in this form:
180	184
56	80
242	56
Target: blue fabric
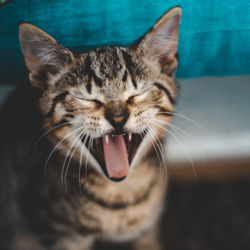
214	34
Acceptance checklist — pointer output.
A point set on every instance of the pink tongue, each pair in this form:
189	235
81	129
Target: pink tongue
116	156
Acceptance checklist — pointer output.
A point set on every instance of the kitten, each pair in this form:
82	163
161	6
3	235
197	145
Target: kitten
100	116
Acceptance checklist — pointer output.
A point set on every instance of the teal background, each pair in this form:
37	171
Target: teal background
214	34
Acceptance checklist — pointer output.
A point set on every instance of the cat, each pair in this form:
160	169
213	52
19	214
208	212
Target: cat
78	159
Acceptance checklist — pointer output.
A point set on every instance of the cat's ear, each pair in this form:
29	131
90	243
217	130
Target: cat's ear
161	42
42	54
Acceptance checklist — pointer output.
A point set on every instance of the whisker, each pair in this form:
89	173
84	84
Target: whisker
142	134
175	128
185	136
90	144
52	129
160	148
55	148
66	157
187	119
180	144
87	137
156	150
68	165
80	167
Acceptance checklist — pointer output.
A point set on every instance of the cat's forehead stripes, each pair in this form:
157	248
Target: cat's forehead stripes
107	62
130	66
107	71
102	65
166	91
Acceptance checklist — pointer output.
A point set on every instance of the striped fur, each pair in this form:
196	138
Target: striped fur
78	99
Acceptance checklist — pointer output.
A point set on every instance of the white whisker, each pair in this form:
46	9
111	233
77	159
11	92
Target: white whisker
90	144
185	135
142	135
160	148
69	161
180	144
175	128
80	167
67	155
187	119
156	150
56	147
52	129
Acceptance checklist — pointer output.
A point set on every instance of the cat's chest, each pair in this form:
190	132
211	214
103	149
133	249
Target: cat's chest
129	214
127	223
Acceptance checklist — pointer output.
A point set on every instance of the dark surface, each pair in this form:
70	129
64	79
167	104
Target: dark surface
206	216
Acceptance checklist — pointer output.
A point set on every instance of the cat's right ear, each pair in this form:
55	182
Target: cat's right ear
42	54
160	43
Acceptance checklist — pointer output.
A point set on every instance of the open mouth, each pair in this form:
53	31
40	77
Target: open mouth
115	152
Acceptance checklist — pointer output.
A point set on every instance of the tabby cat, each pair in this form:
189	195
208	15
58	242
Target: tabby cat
78	159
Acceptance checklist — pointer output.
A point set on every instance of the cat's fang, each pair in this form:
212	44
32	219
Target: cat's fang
129	136
107	139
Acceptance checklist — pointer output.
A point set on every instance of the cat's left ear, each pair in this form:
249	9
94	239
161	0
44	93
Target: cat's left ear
160	43
43	55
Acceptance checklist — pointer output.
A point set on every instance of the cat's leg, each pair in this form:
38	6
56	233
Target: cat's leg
149	240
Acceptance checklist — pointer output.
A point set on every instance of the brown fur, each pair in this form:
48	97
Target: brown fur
78	99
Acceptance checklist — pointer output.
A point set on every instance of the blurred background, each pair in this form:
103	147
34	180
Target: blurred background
212	133
208	146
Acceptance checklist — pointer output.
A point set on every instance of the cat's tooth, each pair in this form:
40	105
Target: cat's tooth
107	139
129	136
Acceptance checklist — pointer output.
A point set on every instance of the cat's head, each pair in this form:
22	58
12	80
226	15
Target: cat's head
107	106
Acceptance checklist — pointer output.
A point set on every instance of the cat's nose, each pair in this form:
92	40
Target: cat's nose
117	118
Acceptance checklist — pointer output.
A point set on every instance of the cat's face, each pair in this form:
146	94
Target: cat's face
108	106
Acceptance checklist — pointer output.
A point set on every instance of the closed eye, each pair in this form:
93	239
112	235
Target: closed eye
138	97
97	102
91	101
130	99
